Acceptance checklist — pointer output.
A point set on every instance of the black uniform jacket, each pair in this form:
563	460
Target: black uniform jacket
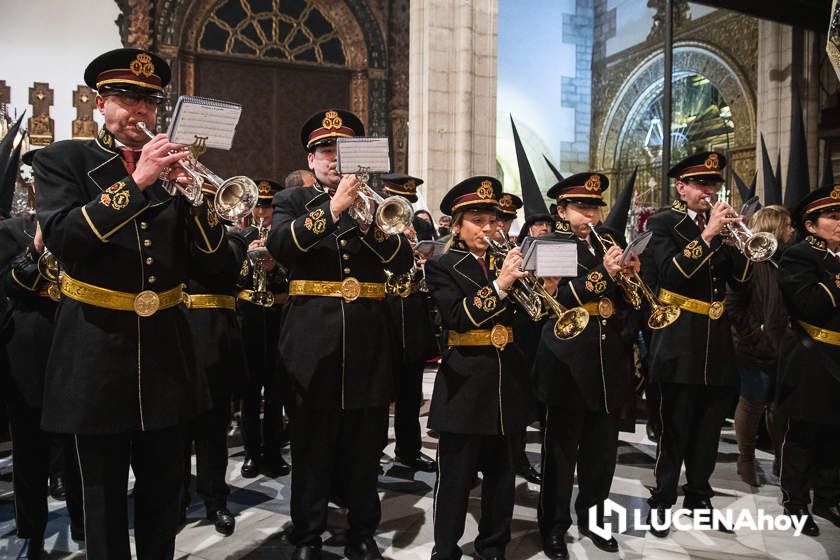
336	353
695	349
29	324
413	330
597	361
810	371
219	352
478	389
113	371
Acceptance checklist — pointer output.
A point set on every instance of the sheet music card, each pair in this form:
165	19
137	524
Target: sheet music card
205	122
369	154
551	257
636	247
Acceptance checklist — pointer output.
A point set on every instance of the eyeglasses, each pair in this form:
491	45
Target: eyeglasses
131	98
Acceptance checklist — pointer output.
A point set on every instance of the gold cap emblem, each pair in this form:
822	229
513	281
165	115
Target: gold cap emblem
410	186
835	193
485	190
331	121
712	162
506	202
142	65
593	183
264	187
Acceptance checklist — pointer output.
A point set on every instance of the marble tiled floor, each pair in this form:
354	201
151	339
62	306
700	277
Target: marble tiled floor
261	507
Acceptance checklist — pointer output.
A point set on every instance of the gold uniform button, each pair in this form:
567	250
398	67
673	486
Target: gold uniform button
149	260
147	242
152	280
345	256
343	242
144	225
346	270
604	322
603	337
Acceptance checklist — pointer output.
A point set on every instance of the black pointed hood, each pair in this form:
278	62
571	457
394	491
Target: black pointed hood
553	169
798	181
617	218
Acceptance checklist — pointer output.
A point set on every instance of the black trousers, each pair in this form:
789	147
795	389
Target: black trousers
31	458
261	434
407	410
209	434
810	459
460	457
156	458
575	437
691	418
335	446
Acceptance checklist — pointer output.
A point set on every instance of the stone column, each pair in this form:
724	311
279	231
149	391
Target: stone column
788	60
452	93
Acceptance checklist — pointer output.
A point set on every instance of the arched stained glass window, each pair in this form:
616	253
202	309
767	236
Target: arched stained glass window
291	30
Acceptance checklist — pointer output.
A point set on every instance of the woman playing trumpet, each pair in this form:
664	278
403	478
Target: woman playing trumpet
586	382
481	398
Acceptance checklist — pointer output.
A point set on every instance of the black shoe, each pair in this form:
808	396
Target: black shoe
607	545
223	521
419	462
810	527
308	552
250	467
479	555
365	549
832	513
276	466
659	511
652	432
57	491
703	504
529	473
555	547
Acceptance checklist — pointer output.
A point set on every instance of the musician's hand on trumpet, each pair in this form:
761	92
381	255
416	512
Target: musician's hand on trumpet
632	265
159	154
39	238
550	283
720	215
511	269
612	260
268	261
345	194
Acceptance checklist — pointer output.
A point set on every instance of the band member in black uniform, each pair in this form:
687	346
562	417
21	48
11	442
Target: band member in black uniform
340	373
692	359
584	381
415	343
809	276
508	205
121	372
482	396
261	317
28	332
220	356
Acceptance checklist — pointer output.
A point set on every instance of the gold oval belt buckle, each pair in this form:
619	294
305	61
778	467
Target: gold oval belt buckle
350	289
715	310
146	303
54	292
499	337
605	308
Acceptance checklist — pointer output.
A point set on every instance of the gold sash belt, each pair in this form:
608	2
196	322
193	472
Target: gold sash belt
145	304
209	301
714	309
350	289
499	336
820	334
248	295
602	308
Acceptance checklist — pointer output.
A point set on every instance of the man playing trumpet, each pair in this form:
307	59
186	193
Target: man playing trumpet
340	375
692	359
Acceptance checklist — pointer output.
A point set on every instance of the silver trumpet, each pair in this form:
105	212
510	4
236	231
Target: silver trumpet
234	198
392	215
757	247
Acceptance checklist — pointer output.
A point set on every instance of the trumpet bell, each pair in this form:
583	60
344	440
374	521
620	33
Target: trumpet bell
662	316
760	246
394	215
571	323
236	198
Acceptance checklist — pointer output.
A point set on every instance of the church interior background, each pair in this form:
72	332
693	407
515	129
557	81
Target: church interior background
581	79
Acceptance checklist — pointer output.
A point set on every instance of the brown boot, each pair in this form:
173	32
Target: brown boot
747	418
